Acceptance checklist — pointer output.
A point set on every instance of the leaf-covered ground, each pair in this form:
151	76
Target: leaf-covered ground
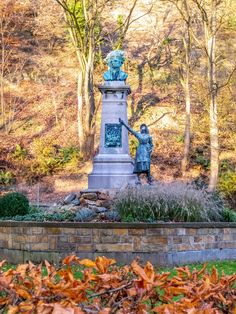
102	287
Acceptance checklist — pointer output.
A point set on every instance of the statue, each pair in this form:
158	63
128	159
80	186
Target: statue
114	60
144	150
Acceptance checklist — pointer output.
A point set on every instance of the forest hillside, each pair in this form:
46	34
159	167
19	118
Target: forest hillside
180	58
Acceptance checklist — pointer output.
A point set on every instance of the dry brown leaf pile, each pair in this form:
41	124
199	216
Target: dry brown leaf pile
105	288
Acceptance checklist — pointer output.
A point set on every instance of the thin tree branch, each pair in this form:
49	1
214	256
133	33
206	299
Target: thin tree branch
111	290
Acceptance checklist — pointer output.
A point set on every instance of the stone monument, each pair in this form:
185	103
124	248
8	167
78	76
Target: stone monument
113	167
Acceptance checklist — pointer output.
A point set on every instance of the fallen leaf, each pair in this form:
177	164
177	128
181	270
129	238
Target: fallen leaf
71	258
13	310
88	263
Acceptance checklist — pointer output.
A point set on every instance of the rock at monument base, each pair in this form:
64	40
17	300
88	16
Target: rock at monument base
69	198
112	215
85	214
104	196
76	202
104	203
98	210
90	196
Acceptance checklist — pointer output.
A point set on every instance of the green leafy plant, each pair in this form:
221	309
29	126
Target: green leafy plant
168	202
68	157
40	216
13	204
180	139
229	215
203	161
19	153
6	177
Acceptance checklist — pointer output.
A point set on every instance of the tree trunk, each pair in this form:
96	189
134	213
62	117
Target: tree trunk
186	87
214	141
80	112
90	110
89	98
185	159
2	73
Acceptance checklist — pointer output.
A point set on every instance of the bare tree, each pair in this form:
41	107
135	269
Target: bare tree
183	7
85	28
82	20
211	22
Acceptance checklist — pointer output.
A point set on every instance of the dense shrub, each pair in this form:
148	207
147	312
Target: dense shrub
229	215
13	204
169	202
51	158
227	186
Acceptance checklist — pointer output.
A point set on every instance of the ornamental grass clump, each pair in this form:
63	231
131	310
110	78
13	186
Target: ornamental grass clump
177	202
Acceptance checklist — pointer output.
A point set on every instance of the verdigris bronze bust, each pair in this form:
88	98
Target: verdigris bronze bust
115	60
144	151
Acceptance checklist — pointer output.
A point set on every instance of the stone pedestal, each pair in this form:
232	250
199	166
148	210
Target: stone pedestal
113	166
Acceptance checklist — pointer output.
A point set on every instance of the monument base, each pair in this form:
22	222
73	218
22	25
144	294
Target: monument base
112	172
111	181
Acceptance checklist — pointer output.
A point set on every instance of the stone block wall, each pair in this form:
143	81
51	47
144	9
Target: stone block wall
163	244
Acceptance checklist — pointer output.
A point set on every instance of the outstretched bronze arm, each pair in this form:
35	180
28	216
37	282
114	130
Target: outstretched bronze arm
127	127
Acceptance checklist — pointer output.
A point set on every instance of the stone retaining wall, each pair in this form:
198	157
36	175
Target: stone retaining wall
163	243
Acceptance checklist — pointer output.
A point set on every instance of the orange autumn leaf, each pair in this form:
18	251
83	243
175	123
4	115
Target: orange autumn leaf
50	268
149	270
2	263
26	307
5	280
23	293
59	309
105	311
21	269
165	309
201	271
131	292
78	310
108	277
13	310
214	275
178	290
183	271
4	300
69	259
88	263
103	263
142	309
44	309
138	270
